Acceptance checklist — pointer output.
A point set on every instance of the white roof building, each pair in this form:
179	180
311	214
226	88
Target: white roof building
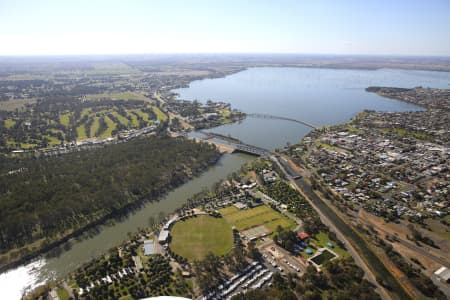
443	274
163	236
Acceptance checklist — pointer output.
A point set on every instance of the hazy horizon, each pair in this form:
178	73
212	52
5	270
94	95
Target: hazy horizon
230	54
369	28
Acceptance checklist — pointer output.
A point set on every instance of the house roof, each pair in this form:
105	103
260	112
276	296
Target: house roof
303	235
163	235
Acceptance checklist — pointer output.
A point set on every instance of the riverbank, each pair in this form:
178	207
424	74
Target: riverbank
40	247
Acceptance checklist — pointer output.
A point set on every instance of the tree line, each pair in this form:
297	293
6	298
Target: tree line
55	195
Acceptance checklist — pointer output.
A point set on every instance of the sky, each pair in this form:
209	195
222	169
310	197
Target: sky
363	27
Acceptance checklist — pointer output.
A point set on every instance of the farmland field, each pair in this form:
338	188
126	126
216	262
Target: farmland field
261	215
13	104
118	96
195	237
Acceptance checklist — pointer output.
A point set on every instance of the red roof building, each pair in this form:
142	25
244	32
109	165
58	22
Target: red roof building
302	235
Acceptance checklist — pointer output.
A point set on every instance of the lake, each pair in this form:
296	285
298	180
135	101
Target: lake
318	96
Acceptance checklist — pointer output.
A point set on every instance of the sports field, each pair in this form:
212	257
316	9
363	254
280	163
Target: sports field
195	237
261	215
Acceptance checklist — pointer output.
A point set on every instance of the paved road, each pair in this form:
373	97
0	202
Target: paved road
306	191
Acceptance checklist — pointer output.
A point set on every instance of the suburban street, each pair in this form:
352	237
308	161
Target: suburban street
307	192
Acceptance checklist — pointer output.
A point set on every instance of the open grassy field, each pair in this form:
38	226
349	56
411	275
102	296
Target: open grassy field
118	96
52	140
94	127
130	121
111	127
124	121
81	132
85	111
320	241
261	215
111	68
9	123
64	119
134	119
195	237
141	114
11	105
62	294
159	114
87	123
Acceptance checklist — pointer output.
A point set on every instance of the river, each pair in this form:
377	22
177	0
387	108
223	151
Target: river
317	96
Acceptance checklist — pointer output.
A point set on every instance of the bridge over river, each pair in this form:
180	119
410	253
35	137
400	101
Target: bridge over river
267	116
230	144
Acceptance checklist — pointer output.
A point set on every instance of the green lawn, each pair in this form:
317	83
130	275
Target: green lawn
64	119
118	96
81	132
62	294
159	114
261	215
124	121
134	119
52	140
27	145
195	237
111	127
94	127
320	241
85	111
142	114
9	123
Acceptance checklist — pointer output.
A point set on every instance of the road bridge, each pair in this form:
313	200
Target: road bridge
233	144
251	150
267	116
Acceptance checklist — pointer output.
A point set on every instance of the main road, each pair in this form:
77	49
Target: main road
301	186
